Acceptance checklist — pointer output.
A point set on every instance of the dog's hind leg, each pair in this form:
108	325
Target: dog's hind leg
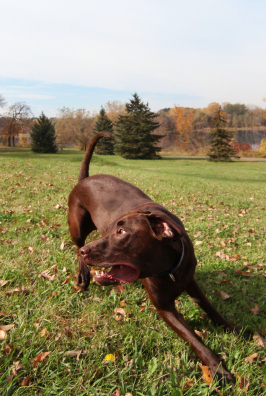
199	297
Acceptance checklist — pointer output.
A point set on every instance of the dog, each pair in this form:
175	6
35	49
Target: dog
140	240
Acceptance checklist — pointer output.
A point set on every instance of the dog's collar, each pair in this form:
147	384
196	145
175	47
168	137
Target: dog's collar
171	270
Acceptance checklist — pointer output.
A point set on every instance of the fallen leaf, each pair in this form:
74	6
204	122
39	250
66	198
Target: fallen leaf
198	243
13	291
76	353
77	288
7	327
120	311
57	338
44	238
260	341
46	274
42	332
64	269
243	383
122	303
65	281
16	367
224	295
40	357
235	257
128	394
238	271
116	393
206	374
4	282
141	308
222	275
119	288
246	274
10	378
188	383
254	310
3	335
62	245
250	358
7	349
25	381
2	313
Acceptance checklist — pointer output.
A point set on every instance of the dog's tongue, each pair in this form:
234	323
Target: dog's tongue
121	273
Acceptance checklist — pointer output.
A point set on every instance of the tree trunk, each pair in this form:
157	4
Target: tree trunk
13	140
9	141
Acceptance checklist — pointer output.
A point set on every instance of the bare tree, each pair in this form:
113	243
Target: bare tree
17	119
2	101
74	126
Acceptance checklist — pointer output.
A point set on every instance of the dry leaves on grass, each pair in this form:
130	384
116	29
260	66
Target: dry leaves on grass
47	275
76	353
119	288
7	327
3	335
25	381
255	310
4	282
17	290
202	334
40	357
243	382
16	367
120	313
4	329
223	294
260	341
189	383
206	374
250	358
7	349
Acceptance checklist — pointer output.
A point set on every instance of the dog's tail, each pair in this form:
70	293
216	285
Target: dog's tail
84	170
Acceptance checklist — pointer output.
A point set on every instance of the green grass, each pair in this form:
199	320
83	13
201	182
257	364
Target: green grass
221	204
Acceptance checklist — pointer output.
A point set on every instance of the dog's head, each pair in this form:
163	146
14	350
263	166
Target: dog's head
138	245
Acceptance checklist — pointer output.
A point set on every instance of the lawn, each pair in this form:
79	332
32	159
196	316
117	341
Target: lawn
223	208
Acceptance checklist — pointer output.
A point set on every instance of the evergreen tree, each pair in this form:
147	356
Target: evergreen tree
134	131
221	149
103	123
43	136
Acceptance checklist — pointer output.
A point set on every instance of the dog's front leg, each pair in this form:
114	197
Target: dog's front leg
164	303
83	275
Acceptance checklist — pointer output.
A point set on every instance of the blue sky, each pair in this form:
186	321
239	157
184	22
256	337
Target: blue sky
82	53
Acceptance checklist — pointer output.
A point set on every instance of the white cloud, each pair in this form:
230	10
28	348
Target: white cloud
209	49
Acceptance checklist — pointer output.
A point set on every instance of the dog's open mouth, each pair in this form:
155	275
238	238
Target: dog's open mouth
119	273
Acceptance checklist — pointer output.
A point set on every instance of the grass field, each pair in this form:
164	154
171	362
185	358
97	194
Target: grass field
223	207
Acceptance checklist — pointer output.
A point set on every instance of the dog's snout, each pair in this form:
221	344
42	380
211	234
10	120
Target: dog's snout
84	251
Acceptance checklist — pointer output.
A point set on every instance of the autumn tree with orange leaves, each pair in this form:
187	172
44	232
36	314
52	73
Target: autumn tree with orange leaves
184	125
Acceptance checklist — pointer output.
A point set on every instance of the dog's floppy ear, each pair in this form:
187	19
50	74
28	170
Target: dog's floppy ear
165	227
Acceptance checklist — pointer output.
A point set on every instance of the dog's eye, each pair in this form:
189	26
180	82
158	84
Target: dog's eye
120	231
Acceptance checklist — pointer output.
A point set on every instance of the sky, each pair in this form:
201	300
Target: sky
83	53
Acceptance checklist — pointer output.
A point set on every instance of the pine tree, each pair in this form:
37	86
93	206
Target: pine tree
221	149
134	131
103	123
43	136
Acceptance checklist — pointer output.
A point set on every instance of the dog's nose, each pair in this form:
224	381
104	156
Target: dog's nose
84	251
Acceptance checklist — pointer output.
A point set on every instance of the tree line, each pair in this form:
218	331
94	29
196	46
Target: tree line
138	132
